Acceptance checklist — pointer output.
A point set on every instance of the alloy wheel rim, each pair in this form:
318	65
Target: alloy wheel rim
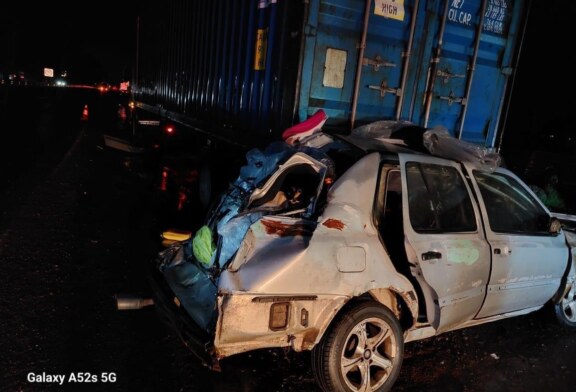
569	304
368	355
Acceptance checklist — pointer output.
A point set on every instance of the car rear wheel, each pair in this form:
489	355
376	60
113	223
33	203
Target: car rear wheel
362	352
566	309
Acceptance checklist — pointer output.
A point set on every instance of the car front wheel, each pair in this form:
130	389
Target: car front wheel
566	309
362	352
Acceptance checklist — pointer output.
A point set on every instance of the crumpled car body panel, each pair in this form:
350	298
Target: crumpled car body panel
315	265
289	269
283	259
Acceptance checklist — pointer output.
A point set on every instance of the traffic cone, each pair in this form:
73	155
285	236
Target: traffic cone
84	114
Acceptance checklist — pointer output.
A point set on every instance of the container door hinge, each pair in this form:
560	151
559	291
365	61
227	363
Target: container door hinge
507	71
451	98
447	75
310	30
377	62
384	89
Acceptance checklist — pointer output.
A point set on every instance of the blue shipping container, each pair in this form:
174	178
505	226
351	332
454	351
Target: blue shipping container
254	67
435	62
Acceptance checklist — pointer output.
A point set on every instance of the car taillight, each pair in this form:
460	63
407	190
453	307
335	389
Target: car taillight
279	316
169	129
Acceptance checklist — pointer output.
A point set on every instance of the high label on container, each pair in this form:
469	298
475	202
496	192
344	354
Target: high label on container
393	9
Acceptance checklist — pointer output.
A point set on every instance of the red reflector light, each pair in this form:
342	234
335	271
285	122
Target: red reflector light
164	183
122	113
84	113
181	200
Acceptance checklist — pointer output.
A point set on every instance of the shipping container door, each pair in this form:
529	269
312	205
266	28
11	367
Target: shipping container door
468	48
385	61
334	33
500	36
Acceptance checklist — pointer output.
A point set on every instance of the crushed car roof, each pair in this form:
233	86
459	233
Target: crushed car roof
397	137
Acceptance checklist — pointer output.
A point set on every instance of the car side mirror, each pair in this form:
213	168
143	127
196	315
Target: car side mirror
555	227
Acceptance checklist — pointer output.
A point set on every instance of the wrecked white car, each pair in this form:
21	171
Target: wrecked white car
360	244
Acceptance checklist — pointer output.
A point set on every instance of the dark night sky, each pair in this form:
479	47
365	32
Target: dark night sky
93	41
545	73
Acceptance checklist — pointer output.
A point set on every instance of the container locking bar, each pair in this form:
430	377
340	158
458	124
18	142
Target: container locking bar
377	62
383	88
453	99
447	75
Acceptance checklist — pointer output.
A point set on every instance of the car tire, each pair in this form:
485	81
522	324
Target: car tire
565	310
341	364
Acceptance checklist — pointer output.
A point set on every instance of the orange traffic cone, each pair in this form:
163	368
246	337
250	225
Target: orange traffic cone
84	114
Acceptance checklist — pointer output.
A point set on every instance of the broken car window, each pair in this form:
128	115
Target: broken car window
294	189
438	200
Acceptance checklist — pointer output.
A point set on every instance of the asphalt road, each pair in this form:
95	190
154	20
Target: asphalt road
81	222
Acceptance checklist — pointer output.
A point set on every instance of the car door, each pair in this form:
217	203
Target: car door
528	260
446	248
